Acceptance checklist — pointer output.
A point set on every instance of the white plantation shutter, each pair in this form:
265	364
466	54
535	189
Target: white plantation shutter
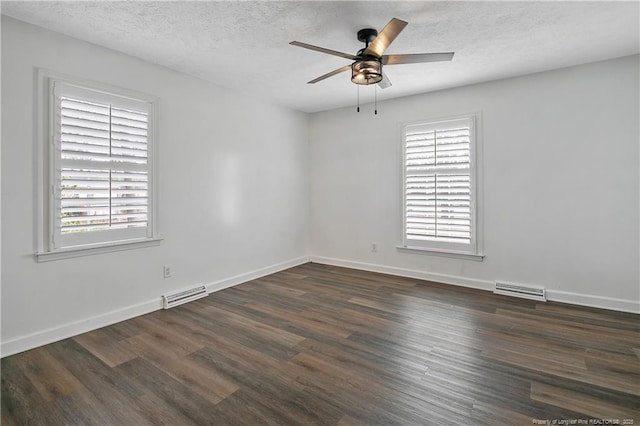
439	185
101	167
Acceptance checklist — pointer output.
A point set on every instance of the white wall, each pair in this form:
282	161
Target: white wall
233	192
561	184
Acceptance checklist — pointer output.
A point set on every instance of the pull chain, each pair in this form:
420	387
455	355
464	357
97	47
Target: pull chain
375	99
358	96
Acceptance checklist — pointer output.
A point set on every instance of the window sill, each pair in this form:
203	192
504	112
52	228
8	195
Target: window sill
78	251
445	253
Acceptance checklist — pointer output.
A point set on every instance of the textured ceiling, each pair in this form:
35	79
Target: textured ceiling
244	45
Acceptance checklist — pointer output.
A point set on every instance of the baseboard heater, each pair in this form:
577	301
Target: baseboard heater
183	296
519	290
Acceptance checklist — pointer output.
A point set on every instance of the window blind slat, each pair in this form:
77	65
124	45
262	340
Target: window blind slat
129	114
85	227
129	144
127	130
84	202
129	201
86	183
121	193
84	128
71	149
127	137
84	211
76	220
83	106
127	159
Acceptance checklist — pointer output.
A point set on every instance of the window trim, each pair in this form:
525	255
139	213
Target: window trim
441	252
475	251
45	172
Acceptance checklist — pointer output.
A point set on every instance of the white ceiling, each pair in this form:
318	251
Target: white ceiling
244	45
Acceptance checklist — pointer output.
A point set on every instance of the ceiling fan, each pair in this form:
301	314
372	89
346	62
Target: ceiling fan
367	66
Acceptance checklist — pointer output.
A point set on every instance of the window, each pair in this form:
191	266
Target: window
440	197
99	159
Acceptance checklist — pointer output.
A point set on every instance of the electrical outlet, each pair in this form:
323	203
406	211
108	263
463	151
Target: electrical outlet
166	269
374	247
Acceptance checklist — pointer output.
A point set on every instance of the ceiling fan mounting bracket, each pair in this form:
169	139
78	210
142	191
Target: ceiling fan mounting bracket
367	35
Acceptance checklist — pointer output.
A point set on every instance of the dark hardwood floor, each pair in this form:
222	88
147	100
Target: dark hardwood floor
324	345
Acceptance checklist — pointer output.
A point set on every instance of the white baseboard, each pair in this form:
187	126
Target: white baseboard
50	335
248	276
552	295
602	302
54	334
409	273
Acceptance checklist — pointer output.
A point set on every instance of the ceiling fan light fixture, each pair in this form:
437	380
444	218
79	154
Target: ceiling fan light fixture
366	72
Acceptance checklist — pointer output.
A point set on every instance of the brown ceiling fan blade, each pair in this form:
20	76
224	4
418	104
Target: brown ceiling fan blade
385	82
330	74
416	58
385	37
323	50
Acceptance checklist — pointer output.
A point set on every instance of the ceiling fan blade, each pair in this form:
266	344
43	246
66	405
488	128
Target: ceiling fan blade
330	74
323	50
385	82
416	58
385	37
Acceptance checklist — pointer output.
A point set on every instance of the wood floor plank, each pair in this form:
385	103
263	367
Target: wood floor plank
155	411
241	361
535	347
83	407
272	288
582	403
392	379
105	347
469	374
105	382
47	374
238	411
182	404
216	328
577	331
361	391
237	296
325	345
155	333
297	319
149	343
248	325
489	414
296	410
347	420
22	404
594	377
371	303
203	381
622	320
369	363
